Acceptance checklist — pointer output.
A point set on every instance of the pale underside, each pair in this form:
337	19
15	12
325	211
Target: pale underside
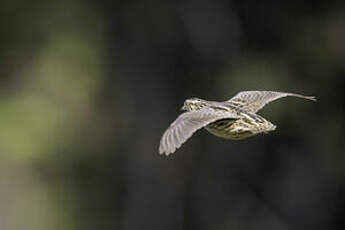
249	102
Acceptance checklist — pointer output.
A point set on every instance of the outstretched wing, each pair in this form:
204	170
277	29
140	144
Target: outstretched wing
187	124
253	101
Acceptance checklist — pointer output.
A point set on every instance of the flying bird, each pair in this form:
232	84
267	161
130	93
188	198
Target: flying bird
235	118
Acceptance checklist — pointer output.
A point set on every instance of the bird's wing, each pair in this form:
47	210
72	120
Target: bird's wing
253	101
187	124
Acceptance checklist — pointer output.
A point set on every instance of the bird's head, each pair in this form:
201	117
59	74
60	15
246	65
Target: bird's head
193	104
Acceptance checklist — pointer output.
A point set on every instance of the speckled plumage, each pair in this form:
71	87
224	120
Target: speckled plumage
232	119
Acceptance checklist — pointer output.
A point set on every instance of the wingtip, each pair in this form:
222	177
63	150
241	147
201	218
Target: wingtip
313	98
167	152
164	152
161	151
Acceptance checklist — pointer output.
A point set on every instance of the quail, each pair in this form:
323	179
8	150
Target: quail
235	118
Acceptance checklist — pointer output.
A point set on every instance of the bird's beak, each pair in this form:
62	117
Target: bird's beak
183	108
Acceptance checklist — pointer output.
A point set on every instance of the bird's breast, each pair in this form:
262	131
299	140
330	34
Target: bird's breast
229	129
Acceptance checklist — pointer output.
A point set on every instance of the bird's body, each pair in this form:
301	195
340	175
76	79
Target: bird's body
247	126
232	119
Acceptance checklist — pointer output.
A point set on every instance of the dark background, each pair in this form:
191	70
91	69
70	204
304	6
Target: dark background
88	87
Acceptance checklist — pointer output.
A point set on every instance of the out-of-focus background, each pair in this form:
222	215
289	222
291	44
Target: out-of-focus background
88	87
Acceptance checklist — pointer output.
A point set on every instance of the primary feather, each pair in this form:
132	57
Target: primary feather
188	123
253	101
